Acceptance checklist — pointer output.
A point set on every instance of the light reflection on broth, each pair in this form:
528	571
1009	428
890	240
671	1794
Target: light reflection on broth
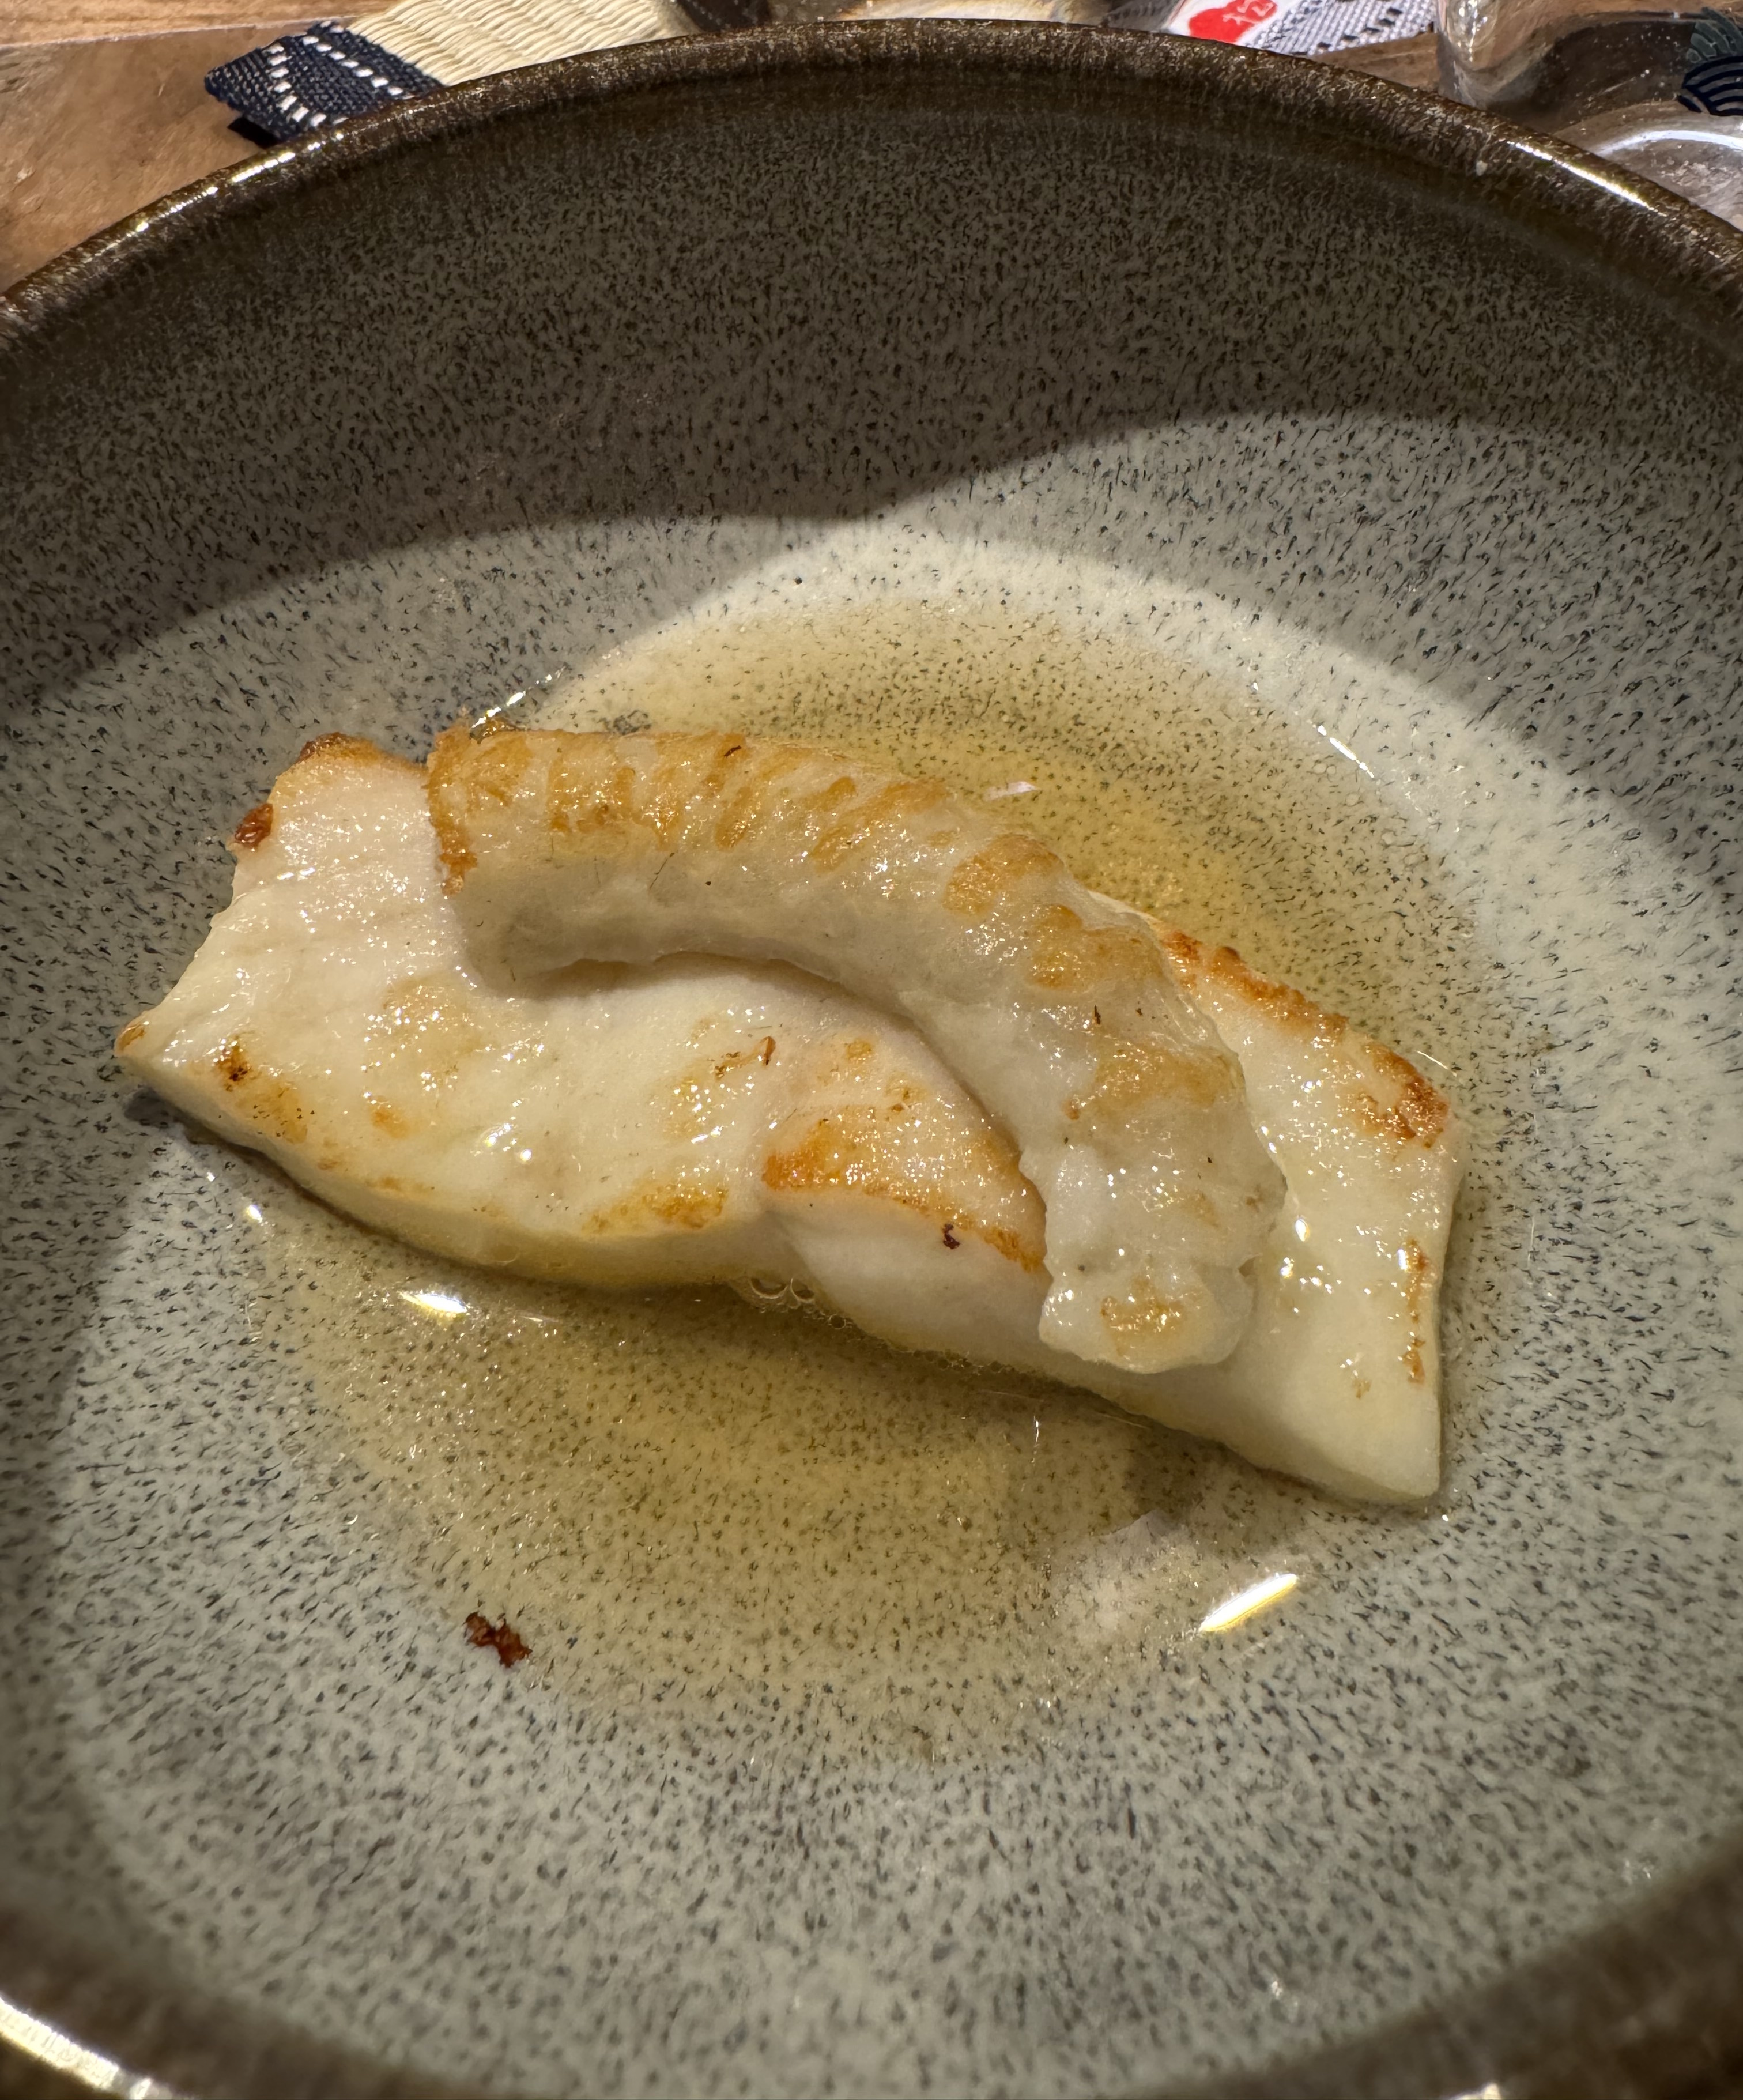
674	1492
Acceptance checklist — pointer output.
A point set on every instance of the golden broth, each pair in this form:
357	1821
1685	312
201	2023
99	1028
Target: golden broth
666	1492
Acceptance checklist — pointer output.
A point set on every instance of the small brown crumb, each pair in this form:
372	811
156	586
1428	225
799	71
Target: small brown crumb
767	1049
510	1649
255	828
951	1239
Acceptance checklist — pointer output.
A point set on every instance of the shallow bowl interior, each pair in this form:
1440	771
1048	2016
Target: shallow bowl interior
1357	414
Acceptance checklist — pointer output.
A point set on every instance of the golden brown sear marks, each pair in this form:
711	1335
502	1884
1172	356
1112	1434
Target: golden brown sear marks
1130	1075
854	1150
254	829
1145	1312
660	1203
718	792
267	1098
1066	956
1415	1114
1402	1107
339	748
318	760
421	1035
1419	1272
986	879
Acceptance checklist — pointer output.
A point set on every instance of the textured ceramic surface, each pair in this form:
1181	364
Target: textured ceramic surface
1303	400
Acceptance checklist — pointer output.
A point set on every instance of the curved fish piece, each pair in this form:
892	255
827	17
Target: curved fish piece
1055	1008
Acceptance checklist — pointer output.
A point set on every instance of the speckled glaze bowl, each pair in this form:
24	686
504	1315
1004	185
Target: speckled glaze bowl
1414	439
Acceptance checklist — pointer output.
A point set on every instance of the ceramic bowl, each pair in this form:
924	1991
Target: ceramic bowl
1342	486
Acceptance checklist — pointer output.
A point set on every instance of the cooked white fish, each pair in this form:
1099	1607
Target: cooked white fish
1337	1375
700	1121
1055	1007
706	1121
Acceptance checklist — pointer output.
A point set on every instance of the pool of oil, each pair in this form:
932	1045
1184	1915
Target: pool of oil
678	1497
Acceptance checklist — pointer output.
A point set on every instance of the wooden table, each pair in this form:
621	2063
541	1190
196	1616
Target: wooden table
92	128
103	108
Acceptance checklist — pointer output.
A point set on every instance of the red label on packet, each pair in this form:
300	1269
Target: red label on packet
1224	21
